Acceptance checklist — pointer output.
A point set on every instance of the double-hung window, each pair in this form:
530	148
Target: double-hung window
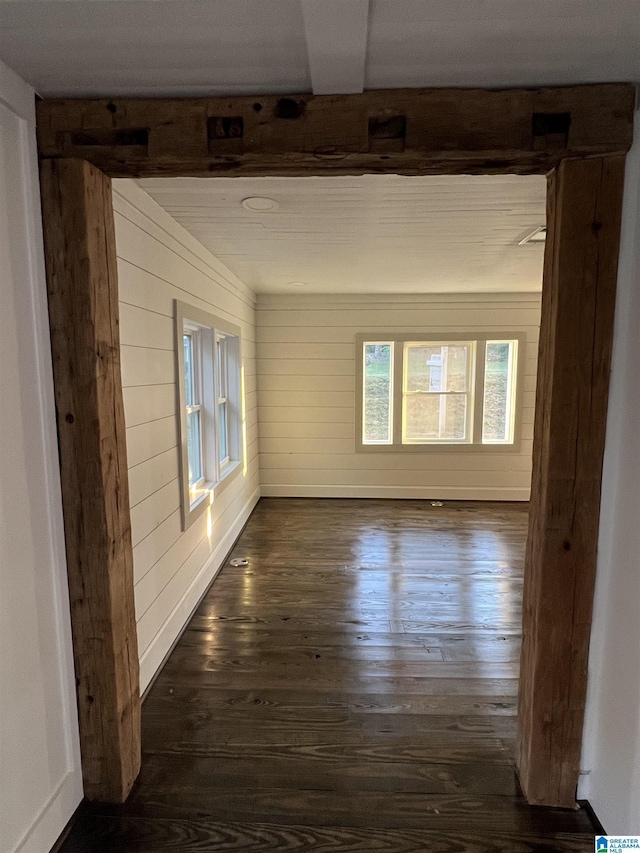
209	386
431	391
437	391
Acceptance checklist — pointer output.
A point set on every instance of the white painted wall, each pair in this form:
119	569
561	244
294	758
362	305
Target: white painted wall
611	746
158	261
40	777
306	382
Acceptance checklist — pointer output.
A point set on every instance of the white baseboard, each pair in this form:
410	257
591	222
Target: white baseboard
450	493
584	786
55	815
156	652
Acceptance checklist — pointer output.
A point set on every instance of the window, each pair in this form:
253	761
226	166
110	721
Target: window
209	391
424	392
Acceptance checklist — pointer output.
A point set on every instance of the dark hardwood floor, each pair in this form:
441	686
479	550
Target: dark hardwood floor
353	689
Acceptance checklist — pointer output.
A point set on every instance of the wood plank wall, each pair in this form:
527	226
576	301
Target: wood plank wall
157	263
306	381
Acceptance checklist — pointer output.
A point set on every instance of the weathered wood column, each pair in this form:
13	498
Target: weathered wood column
583	222
83	312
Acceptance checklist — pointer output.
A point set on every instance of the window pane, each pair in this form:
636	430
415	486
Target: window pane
222	426
499	392
377	369
434	417
437	368
194	446
188	369
221	352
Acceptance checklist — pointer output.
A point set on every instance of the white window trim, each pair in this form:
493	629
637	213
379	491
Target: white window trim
217	476
477	381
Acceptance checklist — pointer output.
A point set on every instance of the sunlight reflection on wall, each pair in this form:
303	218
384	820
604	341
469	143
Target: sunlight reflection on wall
243	418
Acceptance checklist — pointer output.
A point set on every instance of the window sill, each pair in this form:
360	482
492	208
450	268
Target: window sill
198	506
453	447
227	475
209	493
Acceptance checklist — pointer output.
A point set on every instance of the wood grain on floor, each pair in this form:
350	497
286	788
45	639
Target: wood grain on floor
353	689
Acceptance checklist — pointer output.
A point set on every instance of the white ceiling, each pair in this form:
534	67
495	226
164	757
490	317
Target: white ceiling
371	234
154	47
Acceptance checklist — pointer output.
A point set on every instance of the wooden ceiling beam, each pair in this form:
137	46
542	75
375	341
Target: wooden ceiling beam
405	131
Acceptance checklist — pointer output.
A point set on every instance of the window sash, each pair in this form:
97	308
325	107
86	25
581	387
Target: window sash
222	369
223	433
390	394
511	394
188	351
194	449
470	349
466	438
222	408
192	344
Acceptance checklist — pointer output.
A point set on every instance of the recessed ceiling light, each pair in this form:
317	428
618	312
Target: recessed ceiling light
537	236
256	202
297	283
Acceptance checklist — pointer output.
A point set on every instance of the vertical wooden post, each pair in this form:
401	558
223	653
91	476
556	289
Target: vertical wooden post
583	222
83	312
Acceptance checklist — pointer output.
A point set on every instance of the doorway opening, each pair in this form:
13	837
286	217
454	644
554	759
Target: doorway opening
381	625
516	134
388	334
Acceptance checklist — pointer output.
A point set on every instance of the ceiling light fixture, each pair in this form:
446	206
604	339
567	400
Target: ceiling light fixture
537	236
297	283
259	203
